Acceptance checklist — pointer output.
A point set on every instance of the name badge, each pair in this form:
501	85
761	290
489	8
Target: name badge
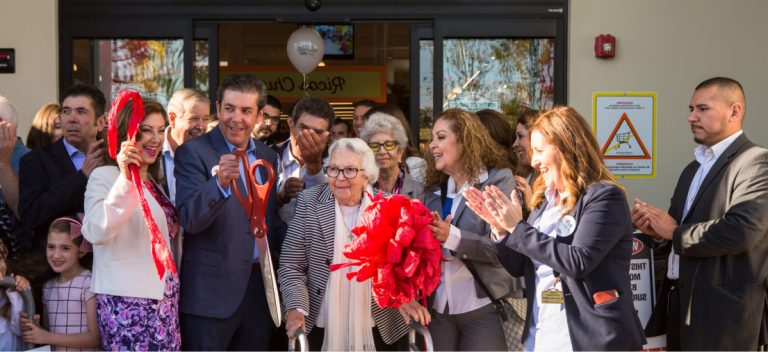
552	296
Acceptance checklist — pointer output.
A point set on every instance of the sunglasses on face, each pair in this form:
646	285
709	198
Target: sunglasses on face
388	145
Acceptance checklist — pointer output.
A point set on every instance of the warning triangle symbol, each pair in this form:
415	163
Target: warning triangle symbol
624	142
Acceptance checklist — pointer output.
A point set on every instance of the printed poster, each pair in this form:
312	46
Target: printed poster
625	128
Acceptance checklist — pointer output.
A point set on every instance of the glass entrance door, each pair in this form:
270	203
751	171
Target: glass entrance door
504	65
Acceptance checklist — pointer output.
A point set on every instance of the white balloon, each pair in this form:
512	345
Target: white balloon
305	49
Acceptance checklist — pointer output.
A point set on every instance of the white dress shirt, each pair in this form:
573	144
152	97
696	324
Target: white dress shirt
168	156
290	167
706	157
549	323
457	285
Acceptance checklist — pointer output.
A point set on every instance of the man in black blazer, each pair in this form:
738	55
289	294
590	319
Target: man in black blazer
714	296
52	180
223	304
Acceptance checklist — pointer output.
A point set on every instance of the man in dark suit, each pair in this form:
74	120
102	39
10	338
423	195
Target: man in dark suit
714	296
52	180
223	303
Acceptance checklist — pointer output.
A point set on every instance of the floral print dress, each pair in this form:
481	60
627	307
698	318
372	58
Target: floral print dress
142	324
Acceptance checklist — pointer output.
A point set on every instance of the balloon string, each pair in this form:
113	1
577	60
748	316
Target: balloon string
304	85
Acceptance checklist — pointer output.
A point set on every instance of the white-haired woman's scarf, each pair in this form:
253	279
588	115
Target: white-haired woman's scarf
349	322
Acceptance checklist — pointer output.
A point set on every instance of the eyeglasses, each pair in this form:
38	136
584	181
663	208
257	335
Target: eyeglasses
349	172
389	145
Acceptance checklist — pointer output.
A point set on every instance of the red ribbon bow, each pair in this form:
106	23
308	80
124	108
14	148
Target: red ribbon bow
160	252
395	247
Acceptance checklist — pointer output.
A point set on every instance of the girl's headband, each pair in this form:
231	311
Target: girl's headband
75	231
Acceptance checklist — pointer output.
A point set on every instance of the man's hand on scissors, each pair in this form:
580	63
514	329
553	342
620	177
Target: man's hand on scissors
229	170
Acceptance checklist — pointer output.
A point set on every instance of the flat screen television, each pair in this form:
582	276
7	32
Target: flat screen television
338	39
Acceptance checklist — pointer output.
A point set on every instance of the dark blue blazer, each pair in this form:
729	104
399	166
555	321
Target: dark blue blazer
218	241
49	187
594	258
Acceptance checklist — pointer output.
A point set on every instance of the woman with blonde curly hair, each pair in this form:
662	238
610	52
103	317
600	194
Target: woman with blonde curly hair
574	249
46	128
465	307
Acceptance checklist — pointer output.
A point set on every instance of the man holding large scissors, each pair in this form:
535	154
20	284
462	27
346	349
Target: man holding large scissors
223	300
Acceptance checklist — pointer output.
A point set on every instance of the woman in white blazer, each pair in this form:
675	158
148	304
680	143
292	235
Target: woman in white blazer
137	310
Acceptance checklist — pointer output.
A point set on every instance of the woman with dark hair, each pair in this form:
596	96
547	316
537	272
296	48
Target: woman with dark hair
575	247
522	145
464	307
46	127
137	309
500	129
413	161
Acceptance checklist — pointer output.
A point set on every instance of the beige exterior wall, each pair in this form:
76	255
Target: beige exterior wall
668	47
30	27
664	46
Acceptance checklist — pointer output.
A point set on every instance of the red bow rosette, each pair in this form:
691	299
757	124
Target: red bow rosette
395	246
160	252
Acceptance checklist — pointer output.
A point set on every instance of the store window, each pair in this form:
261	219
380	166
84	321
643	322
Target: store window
155	68
500	74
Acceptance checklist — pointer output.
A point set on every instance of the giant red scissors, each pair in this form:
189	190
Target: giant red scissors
255	205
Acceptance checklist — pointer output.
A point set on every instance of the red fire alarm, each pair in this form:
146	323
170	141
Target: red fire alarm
605	46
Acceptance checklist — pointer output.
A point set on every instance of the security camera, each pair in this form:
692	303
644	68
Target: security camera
313	5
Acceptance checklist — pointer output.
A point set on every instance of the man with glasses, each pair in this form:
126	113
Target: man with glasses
265	129
301	156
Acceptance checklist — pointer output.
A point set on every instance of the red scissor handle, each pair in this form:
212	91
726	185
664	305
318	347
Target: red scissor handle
255	202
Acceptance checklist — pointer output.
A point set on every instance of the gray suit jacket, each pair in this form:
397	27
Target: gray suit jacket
218	241
305	259
723	247
476	247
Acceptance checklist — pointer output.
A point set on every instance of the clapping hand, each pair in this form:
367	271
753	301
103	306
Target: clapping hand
506	210
653	221
476	201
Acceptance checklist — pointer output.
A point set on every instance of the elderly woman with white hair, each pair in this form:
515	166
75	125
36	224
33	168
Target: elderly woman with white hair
337	314
387	139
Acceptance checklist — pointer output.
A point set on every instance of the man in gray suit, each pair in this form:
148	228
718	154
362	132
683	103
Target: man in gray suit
223	303
714	296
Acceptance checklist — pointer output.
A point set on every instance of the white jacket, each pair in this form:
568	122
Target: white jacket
114	224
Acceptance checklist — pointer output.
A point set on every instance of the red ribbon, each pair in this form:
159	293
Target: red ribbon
160	252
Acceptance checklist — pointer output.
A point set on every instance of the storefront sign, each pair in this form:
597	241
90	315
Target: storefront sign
625	127
342	83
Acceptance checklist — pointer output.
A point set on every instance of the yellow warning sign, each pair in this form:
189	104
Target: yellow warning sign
621	141
624	124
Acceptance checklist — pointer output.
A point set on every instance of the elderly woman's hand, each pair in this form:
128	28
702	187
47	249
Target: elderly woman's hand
294	320
416	311
506	211
441	229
